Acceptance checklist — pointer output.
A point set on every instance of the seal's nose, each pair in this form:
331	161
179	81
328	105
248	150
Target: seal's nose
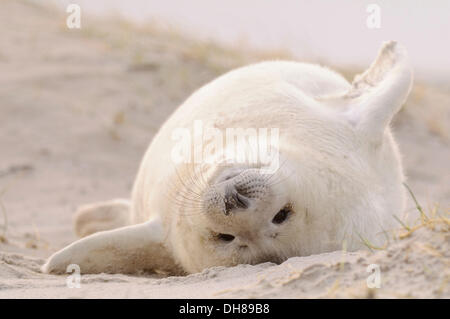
239	191
233	199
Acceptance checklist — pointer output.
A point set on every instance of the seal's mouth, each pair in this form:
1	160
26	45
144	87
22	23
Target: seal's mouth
269	258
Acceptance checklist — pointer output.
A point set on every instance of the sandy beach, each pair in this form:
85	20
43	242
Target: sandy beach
78	109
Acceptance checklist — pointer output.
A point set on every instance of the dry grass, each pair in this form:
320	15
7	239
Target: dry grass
434	220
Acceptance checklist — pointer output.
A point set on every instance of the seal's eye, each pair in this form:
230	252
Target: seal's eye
225	237
282	215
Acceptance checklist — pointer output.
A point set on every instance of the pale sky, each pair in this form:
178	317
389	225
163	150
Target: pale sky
334	31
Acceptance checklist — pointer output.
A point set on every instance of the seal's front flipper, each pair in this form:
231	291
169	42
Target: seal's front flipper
128	249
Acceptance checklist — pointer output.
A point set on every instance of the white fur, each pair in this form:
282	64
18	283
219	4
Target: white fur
340	172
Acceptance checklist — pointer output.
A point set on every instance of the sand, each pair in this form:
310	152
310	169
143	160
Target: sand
77	111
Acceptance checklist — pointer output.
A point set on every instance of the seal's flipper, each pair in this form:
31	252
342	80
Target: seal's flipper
101	216
125	250
376	95
380	91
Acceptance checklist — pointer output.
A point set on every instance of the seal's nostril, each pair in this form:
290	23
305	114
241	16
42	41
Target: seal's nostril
234	200
241	201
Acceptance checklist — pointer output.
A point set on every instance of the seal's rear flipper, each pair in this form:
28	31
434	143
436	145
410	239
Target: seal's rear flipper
96	217
378	94
128	249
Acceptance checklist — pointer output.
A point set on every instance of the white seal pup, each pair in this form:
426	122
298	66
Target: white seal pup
339	177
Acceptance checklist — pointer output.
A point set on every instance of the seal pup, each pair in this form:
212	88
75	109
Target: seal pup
339	177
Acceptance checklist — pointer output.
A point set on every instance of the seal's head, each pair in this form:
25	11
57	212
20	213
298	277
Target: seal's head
248	214
244	216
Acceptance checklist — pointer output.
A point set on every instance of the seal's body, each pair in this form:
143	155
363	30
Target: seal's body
338	179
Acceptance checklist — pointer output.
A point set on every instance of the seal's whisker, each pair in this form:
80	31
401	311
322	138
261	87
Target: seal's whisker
178	192
203	180
185	187
182	198
274	175
183	204
278	180
198	180
183	182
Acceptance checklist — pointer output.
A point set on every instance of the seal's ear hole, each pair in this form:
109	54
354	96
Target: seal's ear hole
225	237
282	215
